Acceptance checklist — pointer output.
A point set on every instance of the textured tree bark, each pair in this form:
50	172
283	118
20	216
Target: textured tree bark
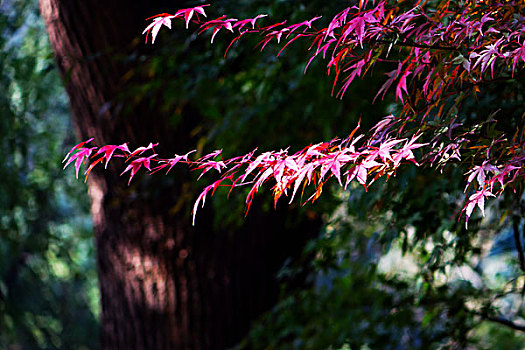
164	284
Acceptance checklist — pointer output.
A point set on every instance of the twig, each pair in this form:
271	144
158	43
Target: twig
505	322
410	43
499	319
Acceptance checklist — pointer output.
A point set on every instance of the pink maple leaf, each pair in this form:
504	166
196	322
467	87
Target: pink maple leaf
207	166
518	54
209	156
77	146
360	172
383	151
383	124
158	21
357	26
307	24
391	77
324	48
172	162
136	165
300	176
79	157
478	172
240	24
357	71
406	151
337	22
109	150
478	199
335	161
487	57
402	85
189	12
217	25
277	34
202	197
164	19
281	165
503	173
141	150
266	156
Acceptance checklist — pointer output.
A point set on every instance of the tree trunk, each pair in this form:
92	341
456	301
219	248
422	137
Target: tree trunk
163	283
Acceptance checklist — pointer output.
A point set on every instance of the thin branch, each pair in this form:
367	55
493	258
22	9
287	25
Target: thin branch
499	319
506	322
410	43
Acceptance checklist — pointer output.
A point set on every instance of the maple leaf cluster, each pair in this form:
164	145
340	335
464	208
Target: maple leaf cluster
346	160
440	54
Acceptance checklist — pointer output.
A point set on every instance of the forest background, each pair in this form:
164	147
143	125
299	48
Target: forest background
371	269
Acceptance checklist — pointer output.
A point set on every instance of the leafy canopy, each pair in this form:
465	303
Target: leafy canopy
441	54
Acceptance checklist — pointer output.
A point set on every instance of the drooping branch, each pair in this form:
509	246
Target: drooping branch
503	321
354	158
430	74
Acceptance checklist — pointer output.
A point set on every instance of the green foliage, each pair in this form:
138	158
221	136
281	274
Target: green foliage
394	269
48	291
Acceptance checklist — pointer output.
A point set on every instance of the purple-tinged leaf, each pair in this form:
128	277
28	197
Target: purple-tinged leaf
478	172
477	199
356	70
391	77
402	86
501	174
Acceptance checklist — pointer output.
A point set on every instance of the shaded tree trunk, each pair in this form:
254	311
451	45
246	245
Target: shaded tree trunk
163	283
